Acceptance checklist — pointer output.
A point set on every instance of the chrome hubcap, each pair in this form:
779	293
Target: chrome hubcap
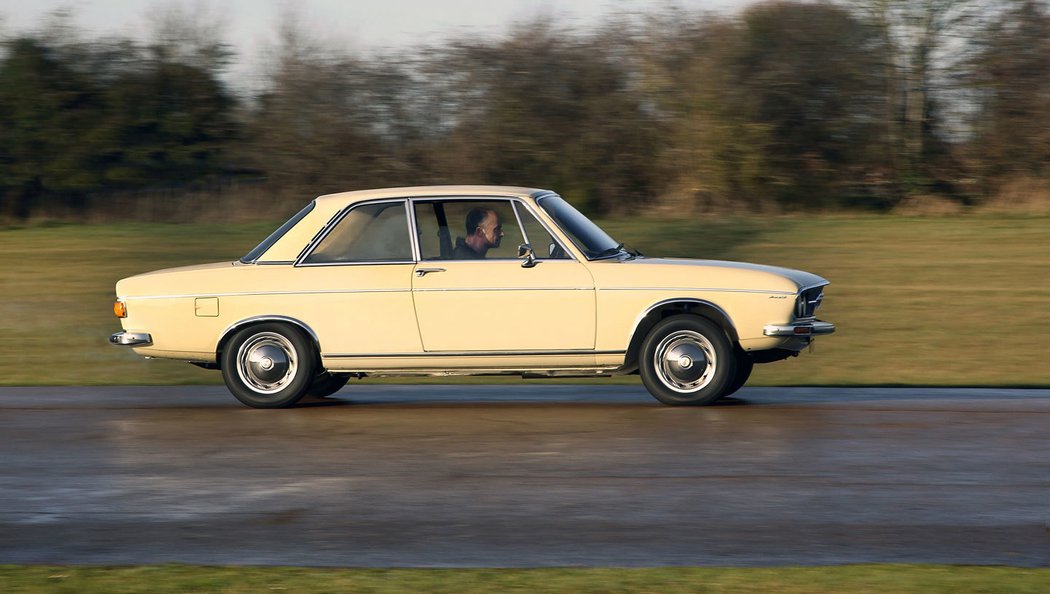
685	361
267	362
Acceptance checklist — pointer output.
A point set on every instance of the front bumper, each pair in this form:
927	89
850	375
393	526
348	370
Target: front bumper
811	328
131	339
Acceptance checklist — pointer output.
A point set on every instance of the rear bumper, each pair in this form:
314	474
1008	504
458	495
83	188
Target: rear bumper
131	339
813	328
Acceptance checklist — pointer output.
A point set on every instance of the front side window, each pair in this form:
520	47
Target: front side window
544	246
368	233
467	230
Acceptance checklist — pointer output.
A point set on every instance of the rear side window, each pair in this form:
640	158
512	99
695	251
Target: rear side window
368	233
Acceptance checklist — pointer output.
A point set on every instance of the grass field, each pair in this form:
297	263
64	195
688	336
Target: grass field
918	301
873	579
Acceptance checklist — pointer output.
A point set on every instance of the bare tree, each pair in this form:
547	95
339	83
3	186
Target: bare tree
1012	75
927	41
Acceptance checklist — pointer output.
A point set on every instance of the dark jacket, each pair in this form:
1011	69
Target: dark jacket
465	252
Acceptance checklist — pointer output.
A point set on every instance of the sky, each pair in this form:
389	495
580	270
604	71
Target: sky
250	24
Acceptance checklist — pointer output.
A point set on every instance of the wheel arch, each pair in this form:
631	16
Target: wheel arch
227	334
672	307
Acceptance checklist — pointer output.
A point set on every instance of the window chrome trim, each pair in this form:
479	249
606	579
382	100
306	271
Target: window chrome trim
358	263
517	217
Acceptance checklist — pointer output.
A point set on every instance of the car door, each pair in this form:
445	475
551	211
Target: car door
496	302
359	281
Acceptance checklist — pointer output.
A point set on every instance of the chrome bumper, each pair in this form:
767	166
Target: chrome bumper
814	328
131	339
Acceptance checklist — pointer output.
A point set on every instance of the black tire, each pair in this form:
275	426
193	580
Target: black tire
744	365
269	365
327	383
687	360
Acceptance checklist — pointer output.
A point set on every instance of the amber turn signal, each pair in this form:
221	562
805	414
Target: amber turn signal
120	309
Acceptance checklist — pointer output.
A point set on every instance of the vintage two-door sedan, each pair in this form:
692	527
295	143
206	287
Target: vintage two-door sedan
465	280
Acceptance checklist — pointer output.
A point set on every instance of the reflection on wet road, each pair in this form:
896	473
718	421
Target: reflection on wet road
525	475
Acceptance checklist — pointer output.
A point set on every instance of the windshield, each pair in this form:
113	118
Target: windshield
588	237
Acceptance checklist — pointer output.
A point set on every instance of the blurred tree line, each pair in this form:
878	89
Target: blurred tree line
786	106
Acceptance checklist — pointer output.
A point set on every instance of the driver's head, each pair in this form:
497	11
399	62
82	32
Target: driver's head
483	225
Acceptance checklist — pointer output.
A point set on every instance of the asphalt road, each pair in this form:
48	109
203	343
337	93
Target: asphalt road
525	475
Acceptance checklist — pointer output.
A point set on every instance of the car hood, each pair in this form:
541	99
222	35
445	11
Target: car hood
701	274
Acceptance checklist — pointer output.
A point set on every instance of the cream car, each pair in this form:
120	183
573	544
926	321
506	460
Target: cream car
459	280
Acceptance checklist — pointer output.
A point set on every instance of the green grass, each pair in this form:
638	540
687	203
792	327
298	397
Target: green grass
918	301
861	578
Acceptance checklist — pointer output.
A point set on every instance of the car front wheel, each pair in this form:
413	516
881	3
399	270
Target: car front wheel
744	365
687	360
269	365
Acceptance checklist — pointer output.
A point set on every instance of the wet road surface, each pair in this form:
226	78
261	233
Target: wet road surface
525	475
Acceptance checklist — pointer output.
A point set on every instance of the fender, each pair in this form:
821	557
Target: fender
226	334
686	305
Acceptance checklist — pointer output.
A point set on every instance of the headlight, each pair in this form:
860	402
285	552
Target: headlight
807	302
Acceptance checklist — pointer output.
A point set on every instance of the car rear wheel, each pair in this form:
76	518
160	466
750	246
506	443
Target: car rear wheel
269	365
327	383
687	360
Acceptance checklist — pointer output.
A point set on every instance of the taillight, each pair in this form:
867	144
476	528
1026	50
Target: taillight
120	309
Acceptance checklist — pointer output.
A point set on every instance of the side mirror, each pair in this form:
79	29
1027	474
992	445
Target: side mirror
525	251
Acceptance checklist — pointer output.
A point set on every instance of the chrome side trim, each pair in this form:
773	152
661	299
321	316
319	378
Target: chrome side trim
131	339
814	328
473	289
701	289
468	354
268	293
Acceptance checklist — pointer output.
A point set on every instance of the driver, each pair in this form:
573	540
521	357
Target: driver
484	231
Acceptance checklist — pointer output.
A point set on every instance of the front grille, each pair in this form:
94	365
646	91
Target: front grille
807	303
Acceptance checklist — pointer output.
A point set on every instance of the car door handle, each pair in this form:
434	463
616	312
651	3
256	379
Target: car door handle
421	272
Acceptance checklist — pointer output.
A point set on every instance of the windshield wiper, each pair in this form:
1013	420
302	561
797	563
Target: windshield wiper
611	251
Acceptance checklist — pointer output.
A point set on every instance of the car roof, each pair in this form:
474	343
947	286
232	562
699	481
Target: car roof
416	191
288	246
